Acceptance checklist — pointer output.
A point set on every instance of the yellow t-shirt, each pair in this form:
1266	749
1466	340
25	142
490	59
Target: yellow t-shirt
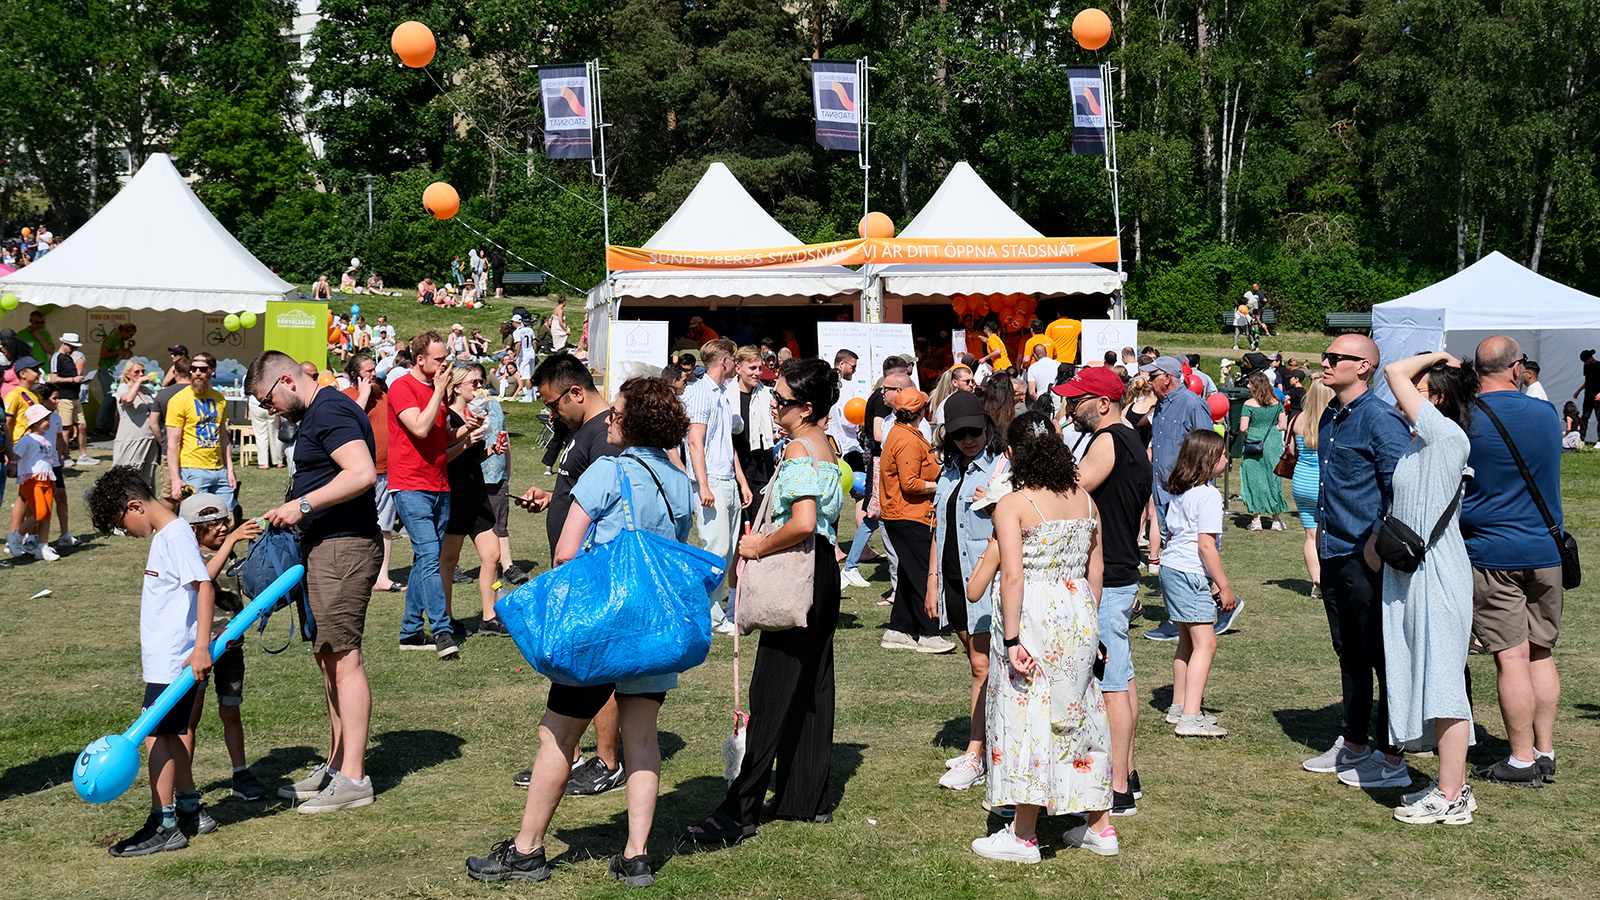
200	420
995	343
17	403
1064	334
1036	340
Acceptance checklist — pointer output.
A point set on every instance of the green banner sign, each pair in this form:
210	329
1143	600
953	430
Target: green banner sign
300	330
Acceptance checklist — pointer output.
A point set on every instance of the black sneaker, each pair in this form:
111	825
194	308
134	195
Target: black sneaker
1133	785
1503	772
515	575
418	641
506	861
152	838
522	779
197	822
247	787
493	628
633	871
1547	768
445	645
461	577
593	778
1122	803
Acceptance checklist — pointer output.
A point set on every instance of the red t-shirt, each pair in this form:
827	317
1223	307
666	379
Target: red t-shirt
377	411
415	465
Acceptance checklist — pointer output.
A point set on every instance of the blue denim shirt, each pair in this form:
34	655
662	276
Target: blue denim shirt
973	528
1358	444
1174	416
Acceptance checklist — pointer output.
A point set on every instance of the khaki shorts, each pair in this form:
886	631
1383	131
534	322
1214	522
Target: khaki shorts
340	573
1510	606
70	411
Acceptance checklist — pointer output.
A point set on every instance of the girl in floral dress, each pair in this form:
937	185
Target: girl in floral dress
1048	737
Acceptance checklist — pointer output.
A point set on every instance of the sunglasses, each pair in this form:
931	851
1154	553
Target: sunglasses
967	434
783	402
1333	359
195	368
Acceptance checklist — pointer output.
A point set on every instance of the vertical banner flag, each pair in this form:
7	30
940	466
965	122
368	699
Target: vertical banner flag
1088	112
836	95
568	125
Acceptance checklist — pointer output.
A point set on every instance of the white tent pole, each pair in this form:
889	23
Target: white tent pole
1118	301
871	301
600	126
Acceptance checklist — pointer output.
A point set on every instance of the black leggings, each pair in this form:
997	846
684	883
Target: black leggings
912	541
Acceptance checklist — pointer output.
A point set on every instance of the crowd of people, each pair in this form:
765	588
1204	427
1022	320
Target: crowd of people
1018	508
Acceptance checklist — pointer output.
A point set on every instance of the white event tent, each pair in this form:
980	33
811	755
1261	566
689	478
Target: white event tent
965	207
1495	295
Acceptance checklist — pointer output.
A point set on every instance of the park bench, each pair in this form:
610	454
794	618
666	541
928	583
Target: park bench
1349	321
531	279
1268	317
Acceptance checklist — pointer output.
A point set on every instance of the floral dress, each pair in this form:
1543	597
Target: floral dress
1049	739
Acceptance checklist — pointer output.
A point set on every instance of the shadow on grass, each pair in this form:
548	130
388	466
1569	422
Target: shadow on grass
1311	728
279	767
1300	586
41	774
670	744
955	734
847	622
396	754
1589	710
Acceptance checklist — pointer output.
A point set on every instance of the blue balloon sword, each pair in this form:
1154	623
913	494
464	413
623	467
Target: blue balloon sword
107	768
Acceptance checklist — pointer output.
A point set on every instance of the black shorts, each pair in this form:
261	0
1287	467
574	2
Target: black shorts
176	721
500	504
955	599
586	702
471	518
227	672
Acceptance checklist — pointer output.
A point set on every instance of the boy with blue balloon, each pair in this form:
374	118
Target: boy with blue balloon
175	606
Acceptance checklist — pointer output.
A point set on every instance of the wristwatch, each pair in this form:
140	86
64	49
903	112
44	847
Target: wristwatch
305	506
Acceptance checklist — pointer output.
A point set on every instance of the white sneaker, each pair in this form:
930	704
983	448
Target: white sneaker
85	459
1336	758
1004	845
1376	771
14	544
897	640
1415	797
934	644
726	627
45	552
69	462
966	773
1197	726
1083	836
852	578
1433	808
951	762
1175	714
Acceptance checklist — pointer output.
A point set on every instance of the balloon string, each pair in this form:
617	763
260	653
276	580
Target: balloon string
457	219
501	147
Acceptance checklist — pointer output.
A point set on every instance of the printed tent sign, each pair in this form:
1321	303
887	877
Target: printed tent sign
836	95
859	251
568	121
1088	111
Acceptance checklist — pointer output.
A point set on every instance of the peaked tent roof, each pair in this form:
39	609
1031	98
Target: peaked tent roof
1495	293
965	207
119	259
719	214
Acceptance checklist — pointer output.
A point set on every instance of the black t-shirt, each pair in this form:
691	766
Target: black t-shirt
757	465
1591	377
66	366
584	446
1121	499
166	394
877	408
331	421
465	472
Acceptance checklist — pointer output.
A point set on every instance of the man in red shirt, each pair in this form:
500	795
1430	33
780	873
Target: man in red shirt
367	390
419	443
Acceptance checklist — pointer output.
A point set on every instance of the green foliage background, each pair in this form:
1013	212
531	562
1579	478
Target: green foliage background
1339	152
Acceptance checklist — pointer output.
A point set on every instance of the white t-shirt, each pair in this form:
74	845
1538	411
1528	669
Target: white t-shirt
167	607
33	458
1195	512
525	340
1536	390
383	334
1042	375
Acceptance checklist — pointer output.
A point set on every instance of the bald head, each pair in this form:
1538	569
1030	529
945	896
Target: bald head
1496	355
1356	345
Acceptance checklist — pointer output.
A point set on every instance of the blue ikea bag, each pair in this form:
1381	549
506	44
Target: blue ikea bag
639	604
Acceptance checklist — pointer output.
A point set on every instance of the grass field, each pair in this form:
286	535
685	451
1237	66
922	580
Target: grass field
1229	818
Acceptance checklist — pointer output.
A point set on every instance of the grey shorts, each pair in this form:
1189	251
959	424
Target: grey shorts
386	515
500	502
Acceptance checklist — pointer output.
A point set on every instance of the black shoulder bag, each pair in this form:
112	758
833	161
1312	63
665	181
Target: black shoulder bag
1571	570
1401	548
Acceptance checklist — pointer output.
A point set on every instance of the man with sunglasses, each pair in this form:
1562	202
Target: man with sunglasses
197	436
1360	438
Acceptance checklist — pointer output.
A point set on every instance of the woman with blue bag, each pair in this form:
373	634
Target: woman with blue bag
640	489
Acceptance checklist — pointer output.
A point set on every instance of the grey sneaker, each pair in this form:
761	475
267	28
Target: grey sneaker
505	861
1415	797
1336	758
1197	726
1376	771
934	644
1547	768
152	838
197	822
1175	715
1167	632
897	640
341	793
307	787
1433	808
1226	620
247	787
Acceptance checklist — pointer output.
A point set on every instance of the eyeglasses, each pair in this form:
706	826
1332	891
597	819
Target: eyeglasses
1523	362
266	399
783	402
1333	359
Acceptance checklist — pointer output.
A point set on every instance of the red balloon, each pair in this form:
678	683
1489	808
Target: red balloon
1218	404
1193	383
1186	370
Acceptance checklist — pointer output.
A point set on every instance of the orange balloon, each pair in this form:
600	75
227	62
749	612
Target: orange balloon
441	201
875	225
855	411
413	42
327	378
1091	29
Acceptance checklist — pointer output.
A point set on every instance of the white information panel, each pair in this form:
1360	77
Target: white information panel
636	348
1100	335
872	343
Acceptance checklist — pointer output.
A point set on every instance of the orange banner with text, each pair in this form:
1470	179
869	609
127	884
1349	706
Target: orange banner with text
861	251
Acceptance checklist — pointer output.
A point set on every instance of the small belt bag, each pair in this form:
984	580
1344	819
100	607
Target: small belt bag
1402	549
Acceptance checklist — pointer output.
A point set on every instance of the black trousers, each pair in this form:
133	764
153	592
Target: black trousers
552	450
791	711
912	541
1352	594
1589	404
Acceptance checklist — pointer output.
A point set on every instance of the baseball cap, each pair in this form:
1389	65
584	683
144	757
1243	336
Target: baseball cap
963	409
35	413
71	339
26	362
197	509
517	319
1093	381
910	399
1167	364
179	349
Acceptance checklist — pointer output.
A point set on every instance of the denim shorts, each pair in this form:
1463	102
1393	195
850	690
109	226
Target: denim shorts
1115	605
1188	596
209	481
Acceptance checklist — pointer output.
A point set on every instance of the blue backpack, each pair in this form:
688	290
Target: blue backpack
271	555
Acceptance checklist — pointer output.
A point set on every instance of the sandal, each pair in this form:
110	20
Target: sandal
718	828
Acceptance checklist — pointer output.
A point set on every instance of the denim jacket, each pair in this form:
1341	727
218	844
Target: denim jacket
1358	444
973	528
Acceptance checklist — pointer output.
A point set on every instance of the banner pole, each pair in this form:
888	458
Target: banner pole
600	125
871	306
1116	195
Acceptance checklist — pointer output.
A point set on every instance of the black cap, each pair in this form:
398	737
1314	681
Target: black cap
179	349
963	409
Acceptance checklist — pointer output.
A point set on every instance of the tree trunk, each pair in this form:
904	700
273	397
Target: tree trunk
1200	31
1138	240
1482	217
905	194
1539	223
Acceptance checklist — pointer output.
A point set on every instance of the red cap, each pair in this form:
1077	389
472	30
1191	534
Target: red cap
1093	381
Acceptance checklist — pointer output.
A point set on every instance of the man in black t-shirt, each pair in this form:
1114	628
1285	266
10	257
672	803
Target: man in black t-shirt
331	499
755	434
180	372
1116	472
1590	390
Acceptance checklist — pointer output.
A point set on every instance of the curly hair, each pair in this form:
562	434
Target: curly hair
653	415
108	497
1039	458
